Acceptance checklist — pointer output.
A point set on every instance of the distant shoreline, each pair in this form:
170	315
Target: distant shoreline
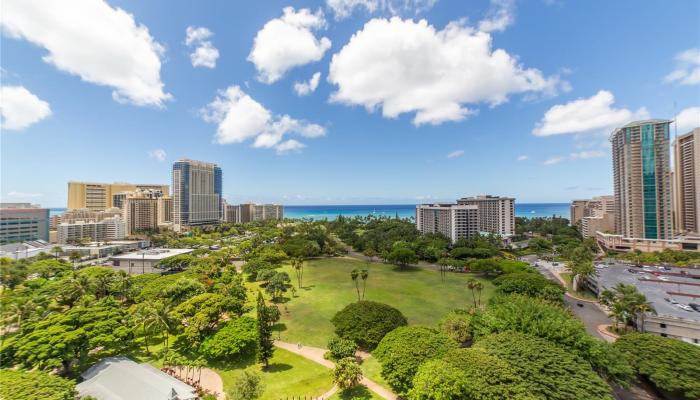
319	212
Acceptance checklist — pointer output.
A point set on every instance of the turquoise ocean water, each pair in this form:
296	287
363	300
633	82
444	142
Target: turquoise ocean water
528	210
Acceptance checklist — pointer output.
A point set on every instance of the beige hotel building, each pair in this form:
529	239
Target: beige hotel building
100	196
686	182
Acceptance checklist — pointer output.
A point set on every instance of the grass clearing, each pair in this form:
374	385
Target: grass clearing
419	293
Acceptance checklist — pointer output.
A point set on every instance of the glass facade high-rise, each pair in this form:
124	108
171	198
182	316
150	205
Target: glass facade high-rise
642	183
197	188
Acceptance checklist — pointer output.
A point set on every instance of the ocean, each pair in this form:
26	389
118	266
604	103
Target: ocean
527	210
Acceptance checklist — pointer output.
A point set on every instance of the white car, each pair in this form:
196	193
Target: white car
663	278
647	268
685	307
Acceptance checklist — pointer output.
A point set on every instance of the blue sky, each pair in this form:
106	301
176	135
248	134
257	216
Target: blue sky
502	97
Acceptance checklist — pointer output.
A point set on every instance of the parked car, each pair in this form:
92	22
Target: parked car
667	299
684	307
663	278
673	301
632	271
695	306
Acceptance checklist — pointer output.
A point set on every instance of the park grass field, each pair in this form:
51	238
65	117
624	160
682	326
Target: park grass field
419	293
288	375
357	393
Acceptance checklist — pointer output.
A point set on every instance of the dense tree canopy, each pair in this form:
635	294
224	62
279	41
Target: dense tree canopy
456	325
367	322
404	349
468	374
672	365
532	284
25	385
235	337
549	371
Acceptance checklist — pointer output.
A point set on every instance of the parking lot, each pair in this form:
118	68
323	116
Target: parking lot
657	284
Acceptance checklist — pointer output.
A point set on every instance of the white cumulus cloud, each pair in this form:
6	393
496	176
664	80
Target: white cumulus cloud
595	113
499	17
21	108
581	155
90	39
456	153
204	54
288	42
241	118
158	154
404	66
344	8
688	119
687	70
522	158
554	160
305	88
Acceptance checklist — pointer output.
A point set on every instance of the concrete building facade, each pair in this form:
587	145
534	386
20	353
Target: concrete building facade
196	194
455	221
641	179
686	182
592	215
496	214
100	196
108	229
249	212
22	222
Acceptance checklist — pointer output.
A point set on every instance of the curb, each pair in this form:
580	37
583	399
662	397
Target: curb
603	331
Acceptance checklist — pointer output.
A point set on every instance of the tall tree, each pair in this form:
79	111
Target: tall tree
471	284
364	274
265	343
298	265
354	274
56	250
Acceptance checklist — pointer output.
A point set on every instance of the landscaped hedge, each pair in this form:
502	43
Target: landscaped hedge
24	385
672	365
404	349
366	322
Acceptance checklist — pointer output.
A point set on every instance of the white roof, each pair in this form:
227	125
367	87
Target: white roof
152	255
119	378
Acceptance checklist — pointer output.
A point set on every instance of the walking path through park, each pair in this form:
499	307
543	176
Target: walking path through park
315	354
210	381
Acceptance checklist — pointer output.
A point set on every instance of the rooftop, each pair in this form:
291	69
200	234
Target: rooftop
119	378
152	255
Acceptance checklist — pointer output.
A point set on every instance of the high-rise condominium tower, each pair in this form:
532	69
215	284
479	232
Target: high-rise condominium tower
642	183
196	194
496	214
686	185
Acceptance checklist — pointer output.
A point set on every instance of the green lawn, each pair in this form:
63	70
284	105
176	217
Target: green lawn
372	368
419	293
288	375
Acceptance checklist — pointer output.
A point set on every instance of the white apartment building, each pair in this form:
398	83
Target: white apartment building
496	214
249	212
108	229
455	221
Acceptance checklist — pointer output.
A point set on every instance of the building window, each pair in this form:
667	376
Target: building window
664	335
663	325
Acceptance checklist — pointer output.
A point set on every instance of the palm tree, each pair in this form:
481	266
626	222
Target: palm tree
56	250
479	287
642	309
144	316
75	257
298	264
471	284
354	274
162	320
364	274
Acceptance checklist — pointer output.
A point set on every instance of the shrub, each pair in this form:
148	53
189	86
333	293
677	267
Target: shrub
456	325
347	374
468	374
366	322
672	365
530	284
549	371
404	349
341	348
236	337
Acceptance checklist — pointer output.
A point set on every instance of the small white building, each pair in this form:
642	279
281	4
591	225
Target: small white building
145	261
119	378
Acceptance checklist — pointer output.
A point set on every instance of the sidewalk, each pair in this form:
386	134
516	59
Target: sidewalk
316	354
